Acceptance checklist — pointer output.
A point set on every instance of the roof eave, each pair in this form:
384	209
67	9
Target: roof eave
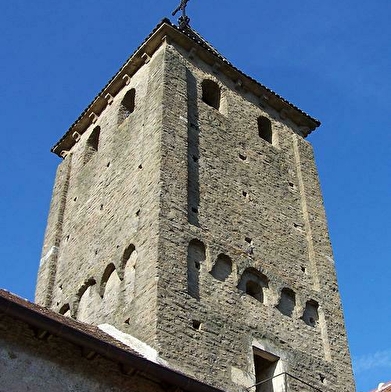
47	321
165	30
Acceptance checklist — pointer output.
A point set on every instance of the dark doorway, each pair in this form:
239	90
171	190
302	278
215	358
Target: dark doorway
265	365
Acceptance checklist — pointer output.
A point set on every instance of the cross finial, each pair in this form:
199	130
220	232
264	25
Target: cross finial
183	20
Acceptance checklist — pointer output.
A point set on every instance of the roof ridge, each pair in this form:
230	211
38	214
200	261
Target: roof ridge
195	35
100	102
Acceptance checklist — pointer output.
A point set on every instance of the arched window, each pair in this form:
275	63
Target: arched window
125	258
65	310
129	274
105	277
310	315
88	283
89	302
211	93
195	256
253	283
111	289
222	267
127	105
92	144
287	302
265	129
254	289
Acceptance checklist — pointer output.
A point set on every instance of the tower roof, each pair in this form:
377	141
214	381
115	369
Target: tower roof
192	42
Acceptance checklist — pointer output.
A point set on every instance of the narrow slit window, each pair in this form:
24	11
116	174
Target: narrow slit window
127	105
287	302
265	130
211	93
311	315
195	257
92	144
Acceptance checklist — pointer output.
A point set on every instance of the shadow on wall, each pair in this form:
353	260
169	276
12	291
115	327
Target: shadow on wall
193	153
94	301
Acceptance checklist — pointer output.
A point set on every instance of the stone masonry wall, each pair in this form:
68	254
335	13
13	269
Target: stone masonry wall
260	205
160	228
35	365
106	237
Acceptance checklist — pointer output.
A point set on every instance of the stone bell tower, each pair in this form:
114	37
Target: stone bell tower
187	213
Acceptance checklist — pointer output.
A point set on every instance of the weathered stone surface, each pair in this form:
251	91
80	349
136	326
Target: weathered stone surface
35	365
177	170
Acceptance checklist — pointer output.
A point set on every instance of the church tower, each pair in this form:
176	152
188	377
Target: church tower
187	213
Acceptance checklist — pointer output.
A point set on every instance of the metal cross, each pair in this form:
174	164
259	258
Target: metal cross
184	19
182	7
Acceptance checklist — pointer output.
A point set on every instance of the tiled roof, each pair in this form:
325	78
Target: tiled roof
383	387
94	340
58	321
135	61
201	41
109	82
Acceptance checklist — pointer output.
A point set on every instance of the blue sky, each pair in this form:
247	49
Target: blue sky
332	59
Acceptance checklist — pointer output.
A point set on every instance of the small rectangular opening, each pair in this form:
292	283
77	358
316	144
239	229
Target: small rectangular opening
265	365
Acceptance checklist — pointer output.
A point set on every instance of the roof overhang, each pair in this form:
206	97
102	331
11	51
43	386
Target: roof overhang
93	341
192	42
